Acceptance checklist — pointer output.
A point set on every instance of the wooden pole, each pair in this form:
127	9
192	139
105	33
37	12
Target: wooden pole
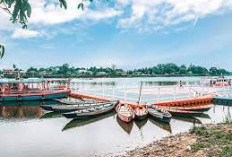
140	92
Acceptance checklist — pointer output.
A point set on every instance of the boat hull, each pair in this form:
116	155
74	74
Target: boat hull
32	97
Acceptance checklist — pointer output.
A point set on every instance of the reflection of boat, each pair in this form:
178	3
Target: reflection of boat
30	89
125	112
20	111
159	114
141	123
92	111
81	122
188	119
50	115
126	126
165	126
28	103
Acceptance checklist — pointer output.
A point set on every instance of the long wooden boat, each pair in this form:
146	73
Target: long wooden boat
141	112
73	101
125	112
200	108
70	108
183	113
188	102
159	114
29	89
92	111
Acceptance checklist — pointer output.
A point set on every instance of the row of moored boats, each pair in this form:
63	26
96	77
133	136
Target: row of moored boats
81	108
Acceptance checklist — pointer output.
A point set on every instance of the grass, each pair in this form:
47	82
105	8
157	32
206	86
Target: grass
214	141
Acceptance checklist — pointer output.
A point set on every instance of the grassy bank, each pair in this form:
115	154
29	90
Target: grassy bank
204	141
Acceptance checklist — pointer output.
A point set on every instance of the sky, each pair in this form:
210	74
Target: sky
128	33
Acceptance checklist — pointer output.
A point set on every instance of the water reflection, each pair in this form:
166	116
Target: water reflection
162	125
49	115
20	111
141	123
190	119
81	122
127	127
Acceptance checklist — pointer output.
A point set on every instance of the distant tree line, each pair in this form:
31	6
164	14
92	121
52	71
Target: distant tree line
65	71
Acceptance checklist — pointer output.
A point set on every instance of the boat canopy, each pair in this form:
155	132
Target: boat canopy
29	80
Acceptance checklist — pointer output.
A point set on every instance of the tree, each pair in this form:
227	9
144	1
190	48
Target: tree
2	51
22	11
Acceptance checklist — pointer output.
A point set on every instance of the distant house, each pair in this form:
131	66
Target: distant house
84	72
8	71
101	74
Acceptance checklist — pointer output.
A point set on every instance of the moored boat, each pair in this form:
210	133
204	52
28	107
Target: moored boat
125	112
183	113
141	112
92	111
200	108
30	89
159	114
70	108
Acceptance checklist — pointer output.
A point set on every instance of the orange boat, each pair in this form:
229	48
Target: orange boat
125	112
141	112
182	113
199	107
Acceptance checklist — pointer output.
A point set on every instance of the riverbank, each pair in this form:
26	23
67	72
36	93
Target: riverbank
207	140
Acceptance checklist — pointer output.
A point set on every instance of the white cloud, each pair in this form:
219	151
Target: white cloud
22	33
51	13
158	14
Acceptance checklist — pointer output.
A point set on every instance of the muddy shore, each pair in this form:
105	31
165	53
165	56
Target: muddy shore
198	142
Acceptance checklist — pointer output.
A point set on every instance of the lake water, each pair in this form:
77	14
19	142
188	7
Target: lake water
26	130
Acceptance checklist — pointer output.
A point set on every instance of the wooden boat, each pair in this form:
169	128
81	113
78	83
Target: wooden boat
159	114
70	108
183	113
92	111
73	101
141	112
125	112
201	108
30	89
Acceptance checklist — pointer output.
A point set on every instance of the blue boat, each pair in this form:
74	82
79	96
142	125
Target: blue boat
30	89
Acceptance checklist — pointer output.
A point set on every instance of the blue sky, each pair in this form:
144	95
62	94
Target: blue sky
128	33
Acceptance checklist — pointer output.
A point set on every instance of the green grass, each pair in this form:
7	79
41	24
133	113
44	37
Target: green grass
214	141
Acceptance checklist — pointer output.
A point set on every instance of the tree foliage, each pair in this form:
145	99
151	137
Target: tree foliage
2	51
20	11
169	69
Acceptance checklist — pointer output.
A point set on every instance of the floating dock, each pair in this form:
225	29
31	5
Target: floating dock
222	101
199	100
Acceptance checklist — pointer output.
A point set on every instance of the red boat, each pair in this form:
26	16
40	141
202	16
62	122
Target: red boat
199	107
31	89
125	112
182	113
141	112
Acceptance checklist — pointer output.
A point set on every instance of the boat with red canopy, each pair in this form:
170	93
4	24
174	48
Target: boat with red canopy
31	89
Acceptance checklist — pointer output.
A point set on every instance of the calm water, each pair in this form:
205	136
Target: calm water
26	130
